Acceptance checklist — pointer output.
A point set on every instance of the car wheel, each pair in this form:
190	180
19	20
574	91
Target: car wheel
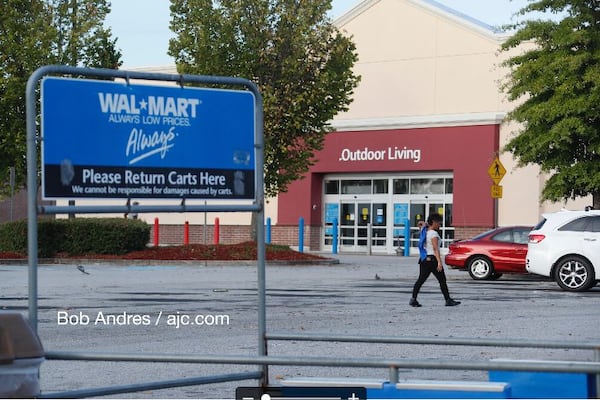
480	268
574	273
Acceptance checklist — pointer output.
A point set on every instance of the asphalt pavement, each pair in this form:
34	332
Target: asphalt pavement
211	308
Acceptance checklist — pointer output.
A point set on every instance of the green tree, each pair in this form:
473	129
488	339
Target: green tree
301	62
102	52
75	36
81	38
555	80
25	41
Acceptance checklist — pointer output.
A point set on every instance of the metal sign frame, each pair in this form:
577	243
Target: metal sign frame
34	139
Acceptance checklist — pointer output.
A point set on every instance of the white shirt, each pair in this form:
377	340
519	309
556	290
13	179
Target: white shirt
431	233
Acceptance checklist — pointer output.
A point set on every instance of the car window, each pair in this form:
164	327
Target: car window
595	224
521	236
505	236
482	235
515	235
539	224
577	225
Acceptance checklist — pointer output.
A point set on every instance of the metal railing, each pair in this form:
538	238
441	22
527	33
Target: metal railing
473	342
132	388
392	365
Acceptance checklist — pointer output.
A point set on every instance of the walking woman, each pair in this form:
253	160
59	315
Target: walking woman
430	261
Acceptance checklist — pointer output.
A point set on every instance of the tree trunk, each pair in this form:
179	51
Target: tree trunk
596	200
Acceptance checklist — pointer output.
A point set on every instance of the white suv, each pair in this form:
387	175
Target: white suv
566	247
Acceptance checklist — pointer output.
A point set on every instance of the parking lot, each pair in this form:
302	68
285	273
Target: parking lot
212	309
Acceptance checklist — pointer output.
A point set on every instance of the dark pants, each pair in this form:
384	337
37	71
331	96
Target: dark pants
427	267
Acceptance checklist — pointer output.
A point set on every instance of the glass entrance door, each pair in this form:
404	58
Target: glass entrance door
379	225
355	218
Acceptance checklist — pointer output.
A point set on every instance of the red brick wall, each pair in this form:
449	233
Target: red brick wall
468	232
230	234
280	234
198	234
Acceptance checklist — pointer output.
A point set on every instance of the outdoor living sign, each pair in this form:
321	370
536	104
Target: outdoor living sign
396	153
105	139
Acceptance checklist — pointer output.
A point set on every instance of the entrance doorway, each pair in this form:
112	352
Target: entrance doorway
375	212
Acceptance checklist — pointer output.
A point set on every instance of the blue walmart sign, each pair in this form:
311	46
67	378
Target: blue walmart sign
103	139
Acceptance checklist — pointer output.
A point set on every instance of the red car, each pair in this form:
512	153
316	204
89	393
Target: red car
490	254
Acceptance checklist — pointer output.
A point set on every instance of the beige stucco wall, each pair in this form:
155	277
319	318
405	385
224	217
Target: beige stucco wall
415	61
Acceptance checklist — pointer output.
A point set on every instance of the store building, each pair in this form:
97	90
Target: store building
421	136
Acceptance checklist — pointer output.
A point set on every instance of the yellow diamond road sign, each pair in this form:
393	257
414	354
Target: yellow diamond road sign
496	171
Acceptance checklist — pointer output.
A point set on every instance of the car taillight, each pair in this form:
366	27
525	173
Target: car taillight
536	238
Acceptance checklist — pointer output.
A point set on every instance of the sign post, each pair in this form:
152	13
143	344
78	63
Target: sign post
496	171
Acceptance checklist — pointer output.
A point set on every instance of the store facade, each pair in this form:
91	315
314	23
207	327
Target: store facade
378	183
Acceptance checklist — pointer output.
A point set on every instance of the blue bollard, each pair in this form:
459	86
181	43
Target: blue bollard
407	238
301	235
268	231
334	245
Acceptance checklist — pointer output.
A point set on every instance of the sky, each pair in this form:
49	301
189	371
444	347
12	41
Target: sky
143	38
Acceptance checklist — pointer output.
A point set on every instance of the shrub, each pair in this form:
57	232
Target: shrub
13	237
78	236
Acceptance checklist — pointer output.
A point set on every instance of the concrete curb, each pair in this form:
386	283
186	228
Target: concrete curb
90	261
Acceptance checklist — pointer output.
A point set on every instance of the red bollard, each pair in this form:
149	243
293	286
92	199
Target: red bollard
216	231
186	233
155	232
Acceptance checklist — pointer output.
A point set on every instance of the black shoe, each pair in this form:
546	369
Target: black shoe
414	303
450	303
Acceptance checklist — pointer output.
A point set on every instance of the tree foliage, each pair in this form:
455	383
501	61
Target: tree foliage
556	82
25	37
301	62
34	33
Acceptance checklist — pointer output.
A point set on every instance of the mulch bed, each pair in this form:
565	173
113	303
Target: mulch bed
221	252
